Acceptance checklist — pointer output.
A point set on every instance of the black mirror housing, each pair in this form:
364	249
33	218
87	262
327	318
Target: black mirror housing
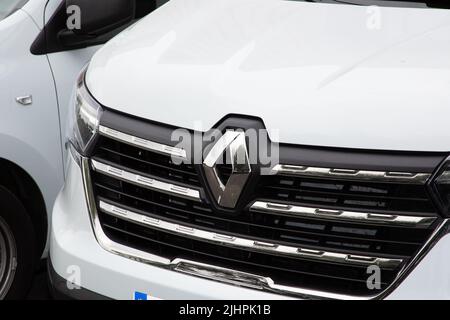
98	17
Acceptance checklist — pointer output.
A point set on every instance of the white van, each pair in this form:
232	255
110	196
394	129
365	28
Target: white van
39	61
352	98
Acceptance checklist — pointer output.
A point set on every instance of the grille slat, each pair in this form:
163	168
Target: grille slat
210	254
283	236
345	195
293	210
148	237
167	166
145	181
193	215
351	201
253	245
398	195
255	229
147	162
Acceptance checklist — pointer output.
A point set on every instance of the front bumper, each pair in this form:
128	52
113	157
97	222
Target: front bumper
59	289
77	257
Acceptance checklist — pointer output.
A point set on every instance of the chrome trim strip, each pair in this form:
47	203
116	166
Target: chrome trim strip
142	143
375	176
249	280
299	211
25	100
252	245
146	182
232	276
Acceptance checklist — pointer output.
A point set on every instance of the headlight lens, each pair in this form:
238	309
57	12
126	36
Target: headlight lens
85	119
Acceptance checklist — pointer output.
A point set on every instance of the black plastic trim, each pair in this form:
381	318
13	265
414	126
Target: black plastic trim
328	157
49	41
145	129
345	158
59	291
433	191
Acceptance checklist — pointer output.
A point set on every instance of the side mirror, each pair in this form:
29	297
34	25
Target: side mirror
98	17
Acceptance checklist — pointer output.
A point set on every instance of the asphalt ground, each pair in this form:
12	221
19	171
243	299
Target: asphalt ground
39	289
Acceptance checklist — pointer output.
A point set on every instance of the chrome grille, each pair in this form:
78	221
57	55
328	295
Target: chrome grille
348	193
315	231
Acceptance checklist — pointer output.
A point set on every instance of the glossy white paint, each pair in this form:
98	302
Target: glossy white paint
430	280
29	135
66	66
35	9
316	72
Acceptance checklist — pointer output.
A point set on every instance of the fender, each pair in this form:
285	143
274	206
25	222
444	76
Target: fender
48	176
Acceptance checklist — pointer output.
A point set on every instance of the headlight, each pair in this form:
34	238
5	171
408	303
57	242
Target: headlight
85	118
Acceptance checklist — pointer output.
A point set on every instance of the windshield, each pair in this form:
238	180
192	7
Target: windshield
8	7
443	4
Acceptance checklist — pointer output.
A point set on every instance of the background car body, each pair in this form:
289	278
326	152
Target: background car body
31	140
32	135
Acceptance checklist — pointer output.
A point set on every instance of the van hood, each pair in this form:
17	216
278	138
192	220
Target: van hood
316	74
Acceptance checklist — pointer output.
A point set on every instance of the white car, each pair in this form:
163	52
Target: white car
354	202
39	61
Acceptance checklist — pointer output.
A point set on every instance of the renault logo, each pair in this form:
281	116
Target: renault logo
233	144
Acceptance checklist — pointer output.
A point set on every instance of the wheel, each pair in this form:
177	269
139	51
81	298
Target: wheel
17	247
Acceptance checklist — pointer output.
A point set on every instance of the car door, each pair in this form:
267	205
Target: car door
29	125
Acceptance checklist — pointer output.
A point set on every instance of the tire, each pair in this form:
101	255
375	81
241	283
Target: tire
17	247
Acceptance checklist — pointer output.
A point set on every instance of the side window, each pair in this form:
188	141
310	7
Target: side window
144	7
